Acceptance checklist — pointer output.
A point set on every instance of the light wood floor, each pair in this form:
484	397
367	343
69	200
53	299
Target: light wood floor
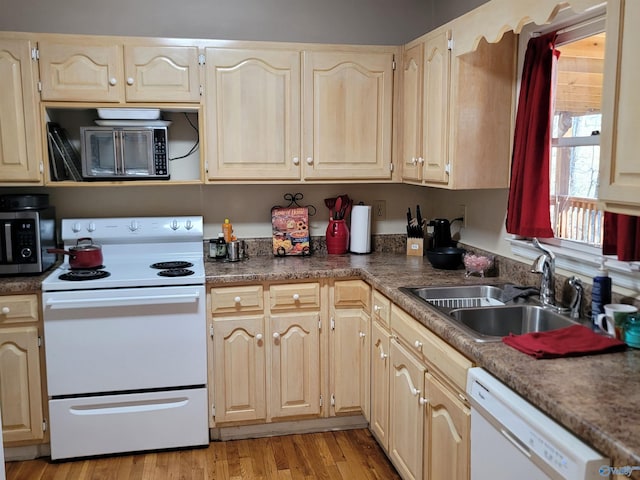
348	455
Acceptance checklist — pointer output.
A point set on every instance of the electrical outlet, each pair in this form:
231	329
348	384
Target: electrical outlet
462	212
380	210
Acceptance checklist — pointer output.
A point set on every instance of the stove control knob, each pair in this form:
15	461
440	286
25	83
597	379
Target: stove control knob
175	225
91	227
188	225
134	225
76	227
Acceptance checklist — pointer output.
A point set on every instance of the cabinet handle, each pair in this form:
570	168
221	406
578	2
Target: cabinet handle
129	80
276	335
414	161
362	334
309	161
237	299
421	161
6	310
296	297
296	161
259	336
423	401
113	81
383	356
377	308
415	392
417	344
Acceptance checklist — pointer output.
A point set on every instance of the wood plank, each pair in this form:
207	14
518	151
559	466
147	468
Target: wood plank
346	455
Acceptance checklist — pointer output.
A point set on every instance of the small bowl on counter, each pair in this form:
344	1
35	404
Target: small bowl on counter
476	264
446	258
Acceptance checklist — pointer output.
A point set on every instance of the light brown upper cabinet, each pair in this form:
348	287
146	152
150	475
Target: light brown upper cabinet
99	69
458	111
20	151
347	115
278	114
619	187
253	114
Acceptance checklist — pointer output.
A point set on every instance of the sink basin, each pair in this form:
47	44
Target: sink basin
493	323
458	296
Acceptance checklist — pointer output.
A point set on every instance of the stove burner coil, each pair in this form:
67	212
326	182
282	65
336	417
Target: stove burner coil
172	265
176	272
80	275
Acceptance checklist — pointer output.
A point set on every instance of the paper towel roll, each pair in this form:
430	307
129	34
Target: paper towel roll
360	229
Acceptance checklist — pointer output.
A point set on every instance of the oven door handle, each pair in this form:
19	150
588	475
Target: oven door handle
123	301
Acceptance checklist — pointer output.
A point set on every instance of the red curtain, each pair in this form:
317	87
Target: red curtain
621	236
528	209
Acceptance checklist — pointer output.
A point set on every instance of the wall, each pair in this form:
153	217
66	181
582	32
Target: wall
325	21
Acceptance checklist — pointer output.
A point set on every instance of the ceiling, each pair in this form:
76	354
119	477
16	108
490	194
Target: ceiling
579	75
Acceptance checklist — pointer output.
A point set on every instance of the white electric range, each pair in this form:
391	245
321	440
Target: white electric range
126	343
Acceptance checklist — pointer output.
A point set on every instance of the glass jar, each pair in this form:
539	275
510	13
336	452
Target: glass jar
631	332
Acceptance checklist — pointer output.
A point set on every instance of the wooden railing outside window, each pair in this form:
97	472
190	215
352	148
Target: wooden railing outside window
576	218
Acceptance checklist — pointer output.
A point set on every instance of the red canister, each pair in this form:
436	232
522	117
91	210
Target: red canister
337	237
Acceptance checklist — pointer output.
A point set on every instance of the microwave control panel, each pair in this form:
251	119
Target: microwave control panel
161	162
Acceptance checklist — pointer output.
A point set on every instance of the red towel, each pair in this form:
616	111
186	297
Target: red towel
570	341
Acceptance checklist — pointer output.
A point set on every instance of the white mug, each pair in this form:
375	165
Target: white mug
613	318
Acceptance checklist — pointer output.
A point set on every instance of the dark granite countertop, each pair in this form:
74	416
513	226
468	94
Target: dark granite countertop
597	397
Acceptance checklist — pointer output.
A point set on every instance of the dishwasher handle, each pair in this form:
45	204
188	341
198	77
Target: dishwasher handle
123	301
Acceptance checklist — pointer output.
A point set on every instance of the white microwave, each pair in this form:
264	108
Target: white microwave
124	153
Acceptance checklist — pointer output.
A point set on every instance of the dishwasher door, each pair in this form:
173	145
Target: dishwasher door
510	438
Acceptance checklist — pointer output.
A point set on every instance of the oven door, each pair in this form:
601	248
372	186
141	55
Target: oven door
130	339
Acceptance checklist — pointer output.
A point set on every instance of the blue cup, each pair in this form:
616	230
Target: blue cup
631	330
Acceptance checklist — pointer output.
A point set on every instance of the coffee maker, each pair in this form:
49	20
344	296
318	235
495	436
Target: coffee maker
441	236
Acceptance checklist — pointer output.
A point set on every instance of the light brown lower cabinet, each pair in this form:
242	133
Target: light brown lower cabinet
20	373
429	416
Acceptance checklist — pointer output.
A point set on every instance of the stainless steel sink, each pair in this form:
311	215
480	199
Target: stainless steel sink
492	323
457	297
479	310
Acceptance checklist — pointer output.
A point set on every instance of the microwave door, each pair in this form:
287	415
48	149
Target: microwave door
137	153
103	153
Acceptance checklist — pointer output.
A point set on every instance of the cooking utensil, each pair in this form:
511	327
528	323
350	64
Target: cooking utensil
83	255
338	209
330	203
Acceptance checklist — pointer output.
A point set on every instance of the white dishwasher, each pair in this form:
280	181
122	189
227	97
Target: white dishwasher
510	438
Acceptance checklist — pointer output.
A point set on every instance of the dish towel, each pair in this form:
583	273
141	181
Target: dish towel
570	341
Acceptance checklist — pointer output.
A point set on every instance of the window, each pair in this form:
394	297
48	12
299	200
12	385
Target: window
575	152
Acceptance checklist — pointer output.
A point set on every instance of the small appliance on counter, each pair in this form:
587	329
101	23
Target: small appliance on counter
28	230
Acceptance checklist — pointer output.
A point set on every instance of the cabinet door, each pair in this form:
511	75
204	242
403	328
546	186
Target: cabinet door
446	433
412	82
380	343
81	72
253	114
239	368
20	150
406	413
350	361
295	364
348	98
619	163
437	61
161	74
20	391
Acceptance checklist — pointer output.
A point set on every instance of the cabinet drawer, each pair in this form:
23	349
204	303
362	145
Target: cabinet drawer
18	309
381	309
448	361
294	296
237	299
352	293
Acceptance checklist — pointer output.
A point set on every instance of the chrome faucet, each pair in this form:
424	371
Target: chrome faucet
576	301
545	264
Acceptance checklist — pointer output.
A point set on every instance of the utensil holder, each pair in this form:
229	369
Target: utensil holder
337	237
